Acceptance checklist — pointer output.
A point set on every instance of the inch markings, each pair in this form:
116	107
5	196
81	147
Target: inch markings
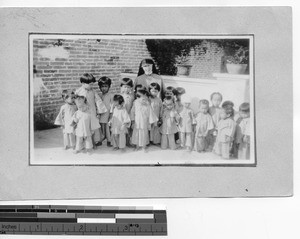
82	220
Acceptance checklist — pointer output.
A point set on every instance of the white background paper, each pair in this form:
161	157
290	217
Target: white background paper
220	218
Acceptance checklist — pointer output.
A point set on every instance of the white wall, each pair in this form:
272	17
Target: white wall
233	87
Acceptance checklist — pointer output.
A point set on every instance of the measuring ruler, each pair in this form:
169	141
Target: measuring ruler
82	220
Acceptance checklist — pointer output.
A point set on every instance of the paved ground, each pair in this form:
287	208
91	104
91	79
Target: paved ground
48	150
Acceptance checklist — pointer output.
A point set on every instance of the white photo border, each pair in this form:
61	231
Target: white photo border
245	163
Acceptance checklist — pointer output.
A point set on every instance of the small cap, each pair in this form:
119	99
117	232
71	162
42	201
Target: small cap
180	90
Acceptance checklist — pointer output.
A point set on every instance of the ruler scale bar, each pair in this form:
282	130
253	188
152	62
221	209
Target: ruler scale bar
135	220
56	215
95	215
30	219
17	214
82	220
133	215
96	220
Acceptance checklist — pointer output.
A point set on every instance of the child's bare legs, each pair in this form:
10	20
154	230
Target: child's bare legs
103	132
151	135
128	138
106	133
177	137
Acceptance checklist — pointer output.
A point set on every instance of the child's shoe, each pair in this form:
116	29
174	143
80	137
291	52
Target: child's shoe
98	143
109	144
116	148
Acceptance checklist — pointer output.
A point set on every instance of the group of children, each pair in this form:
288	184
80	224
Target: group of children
141	118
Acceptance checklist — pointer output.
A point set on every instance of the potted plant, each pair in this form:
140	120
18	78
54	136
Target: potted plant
172	55
238	60
183	68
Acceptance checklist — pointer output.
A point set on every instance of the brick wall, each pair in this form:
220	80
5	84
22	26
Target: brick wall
100	57
206	59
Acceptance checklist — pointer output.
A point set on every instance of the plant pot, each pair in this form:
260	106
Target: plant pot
236	68
183	70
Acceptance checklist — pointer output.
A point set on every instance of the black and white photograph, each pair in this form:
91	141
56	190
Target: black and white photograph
151	102
175	119
141	99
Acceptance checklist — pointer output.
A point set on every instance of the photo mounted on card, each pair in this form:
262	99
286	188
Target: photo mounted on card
146	102
142	99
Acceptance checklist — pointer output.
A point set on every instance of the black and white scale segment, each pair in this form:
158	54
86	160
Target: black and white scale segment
82	220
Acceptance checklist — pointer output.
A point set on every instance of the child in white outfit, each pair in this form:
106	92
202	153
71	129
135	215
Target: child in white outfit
226	131
119	122
243	135
204	124
94	102
84	125
186	123
142	117
64	118
126	91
